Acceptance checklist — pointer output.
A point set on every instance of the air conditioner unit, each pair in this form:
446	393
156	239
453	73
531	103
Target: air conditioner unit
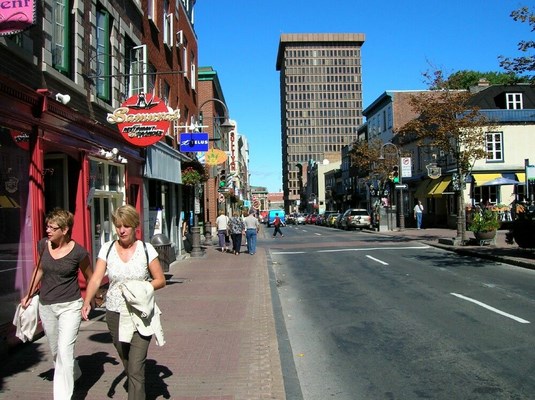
180	38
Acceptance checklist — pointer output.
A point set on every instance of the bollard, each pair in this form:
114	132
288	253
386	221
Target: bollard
196	250
207	234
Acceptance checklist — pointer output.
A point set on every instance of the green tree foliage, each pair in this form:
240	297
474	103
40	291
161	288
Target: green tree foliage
463	80
524	64
448	122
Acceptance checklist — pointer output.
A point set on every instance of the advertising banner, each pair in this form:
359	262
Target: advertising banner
16	16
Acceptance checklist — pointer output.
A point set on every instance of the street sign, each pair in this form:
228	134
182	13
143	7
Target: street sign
406	167
192	142
403	186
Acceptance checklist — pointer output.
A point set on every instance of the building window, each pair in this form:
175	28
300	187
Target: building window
494	144
103	56
138	80
60	36
168	20
514	101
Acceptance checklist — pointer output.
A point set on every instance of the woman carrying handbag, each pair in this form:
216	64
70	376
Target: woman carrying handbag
60	299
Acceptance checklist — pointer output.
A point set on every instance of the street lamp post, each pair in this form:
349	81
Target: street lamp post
401	201
196	230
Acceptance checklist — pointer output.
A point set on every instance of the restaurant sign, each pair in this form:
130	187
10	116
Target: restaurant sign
143	119
16	16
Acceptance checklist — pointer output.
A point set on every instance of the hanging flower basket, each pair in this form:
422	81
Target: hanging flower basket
190	176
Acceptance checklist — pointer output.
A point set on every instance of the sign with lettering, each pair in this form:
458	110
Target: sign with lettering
194	142
22	139
143	119
16	16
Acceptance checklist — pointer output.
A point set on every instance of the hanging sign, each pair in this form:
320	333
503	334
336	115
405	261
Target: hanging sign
215	157
143	119
194	142
16	16
21	139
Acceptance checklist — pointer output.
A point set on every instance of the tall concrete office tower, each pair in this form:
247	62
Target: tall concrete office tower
321	101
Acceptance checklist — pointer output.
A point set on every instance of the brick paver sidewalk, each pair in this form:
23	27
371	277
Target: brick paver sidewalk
220	341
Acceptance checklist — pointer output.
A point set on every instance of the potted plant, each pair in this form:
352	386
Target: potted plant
484	224
190	176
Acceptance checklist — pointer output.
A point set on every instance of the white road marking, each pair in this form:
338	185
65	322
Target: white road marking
374	248
317	234
376	259
517	319
288	252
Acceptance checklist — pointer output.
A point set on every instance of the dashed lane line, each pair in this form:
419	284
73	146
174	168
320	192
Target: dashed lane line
481	304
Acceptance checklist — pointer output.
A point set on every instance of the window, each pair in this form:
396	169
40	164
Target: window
494	143
60	36
151	9
514	101
168	19
103	54
138	82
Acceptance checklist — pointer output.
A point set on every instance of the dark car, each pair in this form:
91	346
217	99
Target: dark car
356	218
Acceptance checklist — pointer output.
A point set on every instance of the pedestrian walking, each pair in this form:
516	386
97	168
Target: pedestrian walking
134	272
277	223
60	299
222	230
236	229
252	226
418	213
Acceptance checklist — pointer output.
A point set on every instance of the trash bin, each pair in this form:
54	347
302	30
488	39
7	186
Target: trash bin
163	246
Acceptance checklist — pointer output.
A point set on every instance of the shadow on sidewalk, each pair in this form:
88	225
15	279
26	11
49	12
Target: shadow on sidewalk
22	358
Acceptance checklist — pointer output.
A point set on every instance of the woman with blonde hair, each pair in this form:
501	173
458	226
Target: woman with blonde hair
131	265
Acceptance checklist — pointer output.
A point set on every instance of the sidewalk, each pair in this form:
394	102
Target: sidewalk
220	336
220	332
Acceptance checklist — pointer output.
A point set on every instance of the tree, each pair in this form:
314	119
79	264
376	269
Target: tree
522	64
463	80
449	123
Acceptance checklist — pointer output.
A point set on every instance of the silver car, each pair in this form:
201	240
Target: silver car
356	218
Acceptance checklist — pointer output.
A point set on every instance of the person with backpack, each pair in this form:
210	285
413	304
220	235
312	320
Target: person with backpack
277	223
134	272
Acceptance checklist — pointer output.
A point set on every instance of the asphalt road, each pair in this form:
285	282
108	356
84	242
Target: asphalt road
363	316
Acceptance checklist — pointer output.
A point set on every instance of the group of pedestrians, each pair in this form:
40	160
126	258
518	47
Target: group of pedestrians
234	228
132	316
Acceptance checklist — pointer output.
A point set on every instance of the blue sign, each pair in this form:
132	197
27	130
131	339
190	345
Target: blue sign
192	142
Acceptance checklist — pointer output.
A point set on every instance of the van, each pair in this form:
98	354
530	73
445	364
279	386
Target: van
272	214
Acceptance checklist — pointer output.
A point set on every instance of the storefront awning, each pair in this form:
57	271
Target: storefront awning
482	178
426	188
163	163
439	189
521	176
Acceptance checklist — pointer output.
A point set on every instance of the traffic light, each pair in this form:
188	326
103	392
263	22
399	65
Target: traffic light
222	178
395	174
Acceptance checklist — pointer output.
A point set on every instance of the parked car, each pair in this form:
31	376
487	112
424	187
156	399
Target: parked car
312	219
290	219
326	216
356	218
338	221
332	219
300	219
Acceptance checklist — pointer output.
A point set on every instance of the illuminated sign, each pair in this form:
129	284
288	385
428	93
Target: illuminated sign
193	142
143	119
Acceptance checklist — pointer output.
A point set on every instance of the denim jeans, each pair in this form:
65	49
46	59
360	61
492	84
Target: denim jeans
61	323
418	220
250	234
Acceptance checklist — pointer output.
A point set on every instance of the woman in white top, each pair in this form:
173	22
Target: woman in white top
124	260
418	212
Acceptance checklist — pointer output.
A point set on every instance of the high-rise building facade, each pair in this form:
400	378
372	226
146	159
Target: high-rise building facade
321	101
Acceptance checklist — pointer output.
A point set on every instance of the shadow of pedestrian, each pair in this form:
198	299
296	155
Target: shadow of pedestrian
20	359
92	367
155	380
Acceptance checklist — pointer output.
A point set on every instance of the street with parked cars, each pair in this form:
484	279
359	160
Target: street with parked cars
350	219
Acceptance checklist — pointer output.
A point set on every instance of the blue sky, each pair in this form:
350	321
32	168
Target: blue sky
240	38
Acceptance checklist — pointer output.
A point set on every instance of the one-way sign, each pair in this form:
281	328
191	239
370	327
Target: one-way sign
403	186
